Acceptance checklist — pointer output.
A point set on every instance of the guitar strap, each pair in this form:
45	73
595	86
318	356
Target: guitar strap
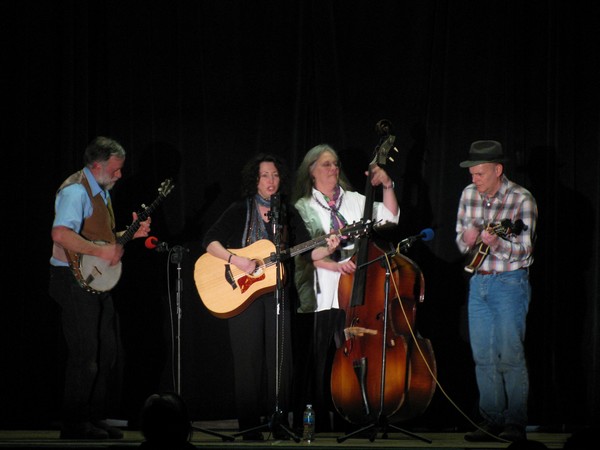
111	212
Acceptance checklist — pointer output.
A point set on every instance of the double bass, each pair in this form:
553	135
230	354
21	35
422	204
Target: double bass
384	371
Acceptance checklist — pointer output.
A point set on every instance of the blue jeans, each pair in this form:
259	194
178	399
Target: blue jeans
498	305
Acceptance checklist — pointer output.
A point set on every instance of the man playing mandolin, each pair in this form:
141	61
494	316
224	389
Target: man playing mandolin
84	226
499	290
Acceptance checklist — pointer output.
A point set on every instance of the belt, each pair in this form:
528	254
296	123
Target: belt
496	272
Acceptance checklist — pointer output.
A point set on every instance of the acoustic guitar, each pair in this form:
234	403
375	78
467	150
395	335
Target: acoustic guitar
226	290
504	229
95	274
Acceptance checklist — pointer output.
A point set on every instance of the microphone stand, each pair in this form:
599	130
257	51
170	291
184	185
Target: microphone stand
426	235
176	256
404	245
280	318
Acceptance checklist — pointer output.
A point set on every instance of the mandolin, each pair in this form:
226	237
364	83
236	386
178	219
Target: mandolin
504	229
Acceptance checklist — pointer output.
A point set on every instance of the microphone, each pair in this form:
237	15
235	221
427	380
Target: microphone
153	243
426	235
275	210
275	203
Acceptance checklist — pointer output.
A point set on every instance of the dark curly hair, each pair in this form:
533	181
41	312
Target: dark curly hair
250	174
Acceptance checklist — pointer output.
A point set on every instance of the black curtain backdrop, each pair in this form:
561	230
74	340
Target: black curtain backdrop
193	88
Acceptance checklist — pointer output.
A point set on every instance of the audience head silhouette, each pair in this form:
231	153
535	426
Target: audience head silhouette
165	422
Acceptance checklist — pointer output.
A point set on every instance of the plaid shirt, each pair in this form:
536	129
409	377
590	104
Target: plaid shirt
510	202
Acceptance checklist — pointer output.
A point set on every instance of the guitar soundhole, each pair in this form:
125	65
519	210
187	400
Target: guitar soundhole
257	270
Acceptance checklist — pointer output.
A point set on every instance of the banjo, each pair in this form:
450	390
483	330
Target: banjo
95	274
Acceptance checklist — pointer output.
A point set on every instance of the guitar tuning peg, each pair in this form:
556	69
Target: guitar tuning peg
391	159
396	150
143	206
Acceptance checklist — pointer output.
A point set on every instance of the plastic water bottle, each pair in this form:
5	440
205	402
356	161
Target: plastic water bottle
309	424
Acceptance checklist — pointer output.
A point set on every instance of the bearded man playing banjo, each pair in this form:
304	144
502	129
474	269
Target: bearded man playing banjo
84	227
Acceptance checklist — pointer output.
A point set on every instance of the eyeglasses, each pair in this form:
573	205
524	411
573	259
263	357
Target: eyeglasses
330	164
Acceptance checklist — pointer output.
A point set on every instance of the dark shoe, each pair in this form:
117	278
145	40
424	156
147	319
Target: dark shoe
253	436
83	430
113	432
513	432
487	432
281	435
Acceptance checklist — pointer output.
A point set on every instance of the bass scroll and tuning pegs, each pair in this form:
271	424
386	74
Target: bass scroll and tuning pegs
386	142
383	127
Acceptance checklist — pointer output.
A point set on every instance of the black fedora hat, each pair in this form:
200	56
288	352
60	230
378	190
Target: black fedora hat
484	152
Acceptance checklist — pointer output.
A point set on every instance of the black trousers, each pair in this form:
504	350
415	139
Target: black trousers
89	325
314	350
259	355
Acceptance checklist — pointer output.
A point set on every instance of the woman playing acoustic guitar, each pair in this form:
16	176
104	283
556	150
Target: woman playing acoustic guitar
257	328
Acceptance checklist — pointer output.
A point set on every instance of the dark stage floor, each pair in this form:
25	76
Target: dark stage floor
48	439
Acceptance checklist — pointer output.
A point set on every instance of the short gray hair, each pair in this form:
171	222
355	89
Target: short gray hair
101	149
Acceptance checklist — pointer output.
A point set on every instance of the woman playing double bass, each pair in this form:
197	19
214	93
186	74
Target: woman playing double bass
325	201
